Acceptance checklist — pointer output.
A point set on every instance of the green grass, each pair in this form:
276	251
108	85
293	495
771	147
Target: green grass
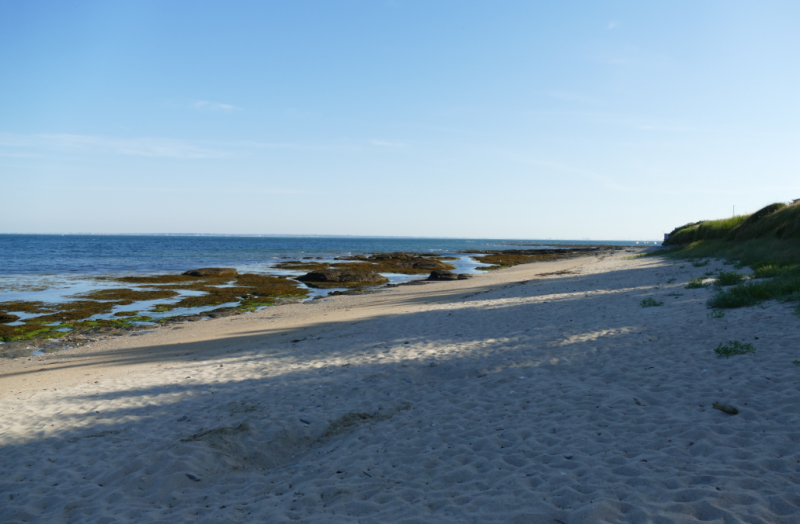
634	257
695	283
784	286
699	263
767	241
777	220
733	348
796	362
716	313
769	270
729	278
650	302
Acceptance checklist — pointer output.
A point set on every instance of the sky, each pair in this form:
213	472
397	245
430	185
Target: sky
503	119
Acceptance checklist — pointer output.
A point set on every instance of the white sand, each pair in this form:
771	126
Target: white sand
506	398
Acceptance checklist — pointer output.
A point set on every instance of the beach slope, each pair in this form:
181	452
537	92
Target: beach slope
540	393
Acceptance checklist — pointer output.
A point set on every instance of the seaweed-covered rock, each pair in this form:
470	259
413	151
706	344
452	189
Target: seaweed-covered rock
341	278
212	272
7	317
441	274
464	276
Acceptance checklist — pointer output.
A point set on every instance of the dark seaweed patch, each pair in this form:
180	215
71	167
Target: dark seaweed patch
500	260
404	263
77	310
169	279
127	296
302	266
126	313
23	306
331	285
7	317
255	290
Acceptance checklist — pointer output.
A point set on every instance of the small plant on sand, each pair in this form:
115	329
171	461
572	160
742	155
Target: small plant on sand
734	347
699	263
708	274
716	313
634	257
767	271
796	362
793	297
676	295
671	280
650	302
729	278
796	311
696	283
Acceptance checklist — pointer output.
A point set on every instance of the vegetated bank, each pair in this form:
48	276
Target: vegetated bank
768	241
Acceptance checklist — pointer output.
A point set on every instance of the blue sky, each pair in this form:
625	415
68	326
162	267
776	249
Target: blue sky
601	120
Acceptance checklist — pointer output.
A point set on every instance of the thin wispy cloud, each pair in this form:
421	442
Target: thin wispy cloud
613	24
146	146
639	123
215	106
199	190
46	144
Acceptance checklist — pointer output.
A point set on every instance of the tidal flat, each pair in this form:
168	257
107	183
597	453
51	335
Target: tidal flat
45	313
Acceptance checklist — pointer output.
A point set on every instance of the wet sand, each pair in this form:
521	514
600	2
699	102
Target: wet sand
517	396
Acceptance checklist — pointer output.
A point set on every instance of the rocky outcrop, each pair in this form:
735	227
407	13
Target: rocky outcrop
448	275
341	278
7	317
212	272
441	274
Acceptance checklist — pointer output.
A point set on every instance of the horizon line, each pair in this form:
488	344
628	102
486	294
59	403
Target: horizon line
256	235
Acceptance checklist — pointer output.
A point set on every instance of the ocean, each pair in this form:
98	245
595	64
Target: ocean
56	268
116	254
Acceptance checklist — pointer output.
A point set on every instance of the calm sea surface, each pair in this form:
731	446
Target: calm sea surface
56	268
104	254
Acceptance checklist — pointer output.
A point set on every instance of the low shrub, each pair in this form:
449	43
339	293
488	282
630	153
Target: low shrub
650	302
695	283
734	347
770	270
784	286
729	278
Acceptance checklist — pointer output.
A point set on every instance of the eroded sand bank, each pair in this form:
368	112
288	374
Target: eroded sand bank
517	396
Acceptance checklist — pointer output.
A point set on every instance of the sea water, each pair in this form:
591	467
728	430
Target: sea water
53	268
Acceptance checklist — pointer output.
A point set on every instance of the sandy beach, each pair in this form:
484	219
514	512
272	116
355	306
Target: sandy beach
542	393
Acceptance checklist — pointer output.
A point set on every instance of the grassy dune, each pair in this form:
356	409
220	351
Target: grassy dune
768	241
